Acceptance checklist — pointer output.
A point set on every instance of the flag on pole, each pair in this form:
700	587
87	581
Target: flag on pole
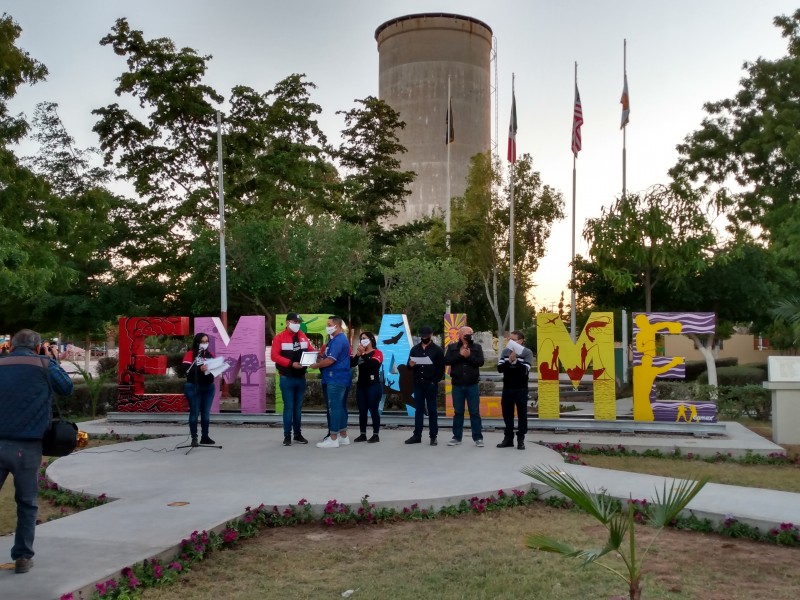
577	121
512	131
626	104
450	135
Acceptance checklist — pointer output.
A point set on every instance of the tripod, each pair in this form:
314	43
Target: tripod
192	447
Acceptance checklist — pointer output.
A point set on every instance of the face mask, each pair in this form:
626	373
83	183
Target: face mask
330	330
426	340
365	343
468	338
204	346
294	327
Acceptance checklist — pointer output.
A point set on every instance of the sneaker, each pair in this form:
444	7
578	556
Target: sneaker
328	443
479	443
521	445
23	565
299	439
343	440
414	439
374	439
361	438
506	443
194	442
454	442
206	440
287	440
434	442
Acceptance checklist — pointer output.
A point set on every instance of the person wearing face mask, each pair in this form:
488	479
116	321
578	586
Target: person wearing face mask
465	358
426	384
199	388
287	348
337	376
369	389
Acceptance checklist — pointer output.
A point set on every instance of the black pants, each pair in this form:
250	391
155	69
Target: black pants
508	401
368	398
425	394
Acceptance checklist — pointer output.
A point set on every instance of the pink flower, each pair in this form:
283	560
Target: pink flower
67	596
302	502
328	521
157	572
176	566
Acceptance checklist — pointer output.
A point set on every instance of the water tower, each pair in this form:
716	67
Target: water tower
417	54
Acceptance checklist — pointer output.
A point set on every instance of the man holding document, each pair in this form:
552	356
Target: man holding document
515	363
292	354
426	361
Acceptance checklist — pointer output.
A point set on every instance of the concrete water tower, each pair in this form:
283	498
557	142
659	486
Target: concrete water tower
417	53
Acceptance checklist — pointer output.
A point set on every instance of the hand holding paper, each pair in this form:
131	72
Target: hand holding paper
216	366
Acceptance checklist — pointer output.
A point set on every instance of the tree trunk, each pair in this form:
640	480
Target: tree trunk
87	355
648	291
707	350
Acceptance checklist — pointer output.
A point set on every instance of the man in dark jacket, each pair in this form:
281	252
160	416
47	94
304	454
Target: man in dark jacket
515	363
25	411
428	371
465	358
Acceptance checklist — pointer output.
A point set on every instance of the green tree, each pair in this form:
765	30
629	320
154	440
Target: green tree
649	238
417	287
480	228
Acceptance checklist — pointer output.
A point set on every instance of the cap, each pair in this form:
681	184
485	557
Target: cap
425	330
293	317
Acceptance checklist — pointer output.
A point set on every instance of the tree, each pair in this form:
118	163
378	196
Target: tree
418	286
649	238
480	227
277	265
747	150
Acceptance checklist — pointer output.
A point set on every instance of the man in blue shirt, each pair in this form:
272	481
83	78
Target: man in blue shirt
27	381
337	375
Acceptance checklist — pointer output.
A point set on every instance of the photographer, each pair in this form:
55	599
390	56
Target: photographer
465	358
27	381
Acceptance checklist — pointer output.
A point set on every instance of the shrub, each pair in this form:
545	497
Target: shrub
80	402
736	376
695	367
108	364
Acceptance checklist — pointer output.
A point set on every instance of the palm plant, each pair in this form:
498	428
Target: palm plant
94	385
619	523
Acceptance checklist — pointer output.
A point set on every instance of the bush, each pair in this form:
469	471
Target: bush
79	404
108	364
694	368
175	360
736	376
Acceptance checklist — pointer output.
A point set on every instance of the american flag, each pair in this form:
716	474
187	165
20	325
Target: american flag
577	121
512	131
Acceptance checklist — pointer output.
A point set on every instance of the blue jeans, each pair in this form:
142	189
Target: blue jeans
293	390
200	398
337	407
368	398
22	460
328	408
470	392
425	397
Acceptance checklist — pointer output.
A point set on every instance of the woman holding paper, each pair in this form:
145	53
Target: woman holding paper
199	388
369	388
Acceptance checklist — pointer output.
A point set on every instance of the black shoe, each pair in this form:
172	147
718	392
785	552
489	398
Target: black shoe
361	438
299	439
194	442
434	442
506	443
287	440
414	439
521	445
374	439
206	440
23	565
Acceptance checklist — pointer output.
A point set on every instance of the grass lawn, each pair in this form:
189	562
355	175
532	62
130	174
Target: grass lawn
481	556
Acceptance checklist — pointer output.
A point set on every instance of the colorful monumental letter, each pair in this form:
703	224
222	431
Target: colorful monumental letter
245	350
595	347
133	364
394	341
647	366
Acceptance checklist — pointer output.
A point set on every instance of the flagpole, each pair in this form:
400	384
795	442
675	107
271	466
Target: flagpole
223	274
624	129
512	292
447	138
572	263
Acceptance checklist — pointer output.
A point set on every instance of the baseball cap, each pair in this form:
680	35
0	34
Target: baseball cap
293	317
425	330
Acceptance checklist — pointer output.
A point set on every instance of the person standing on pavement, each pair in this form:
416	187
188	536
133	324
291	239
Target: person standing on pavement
287	349
427	376
515	364
199	388
465	358
27	381
369	389
337	376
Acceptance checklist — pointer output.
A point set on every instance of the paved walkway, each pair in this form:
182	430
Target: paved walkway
216	485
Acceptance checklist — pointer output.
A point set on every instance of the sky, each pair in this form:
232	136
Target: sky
681	54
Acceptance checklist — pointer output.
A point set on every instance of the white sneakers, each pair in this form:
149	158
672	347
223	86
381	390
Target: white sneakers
454	442
329	443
